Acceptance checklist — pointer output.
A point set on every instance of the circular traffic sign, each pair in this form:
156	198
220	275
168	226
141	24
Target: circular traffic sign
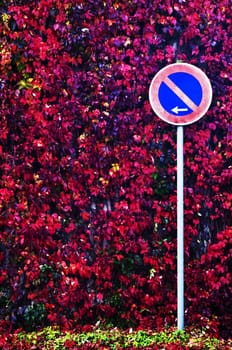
180	93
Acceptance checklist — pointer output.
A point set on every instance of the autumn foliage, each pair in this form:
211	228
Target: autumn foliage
88	172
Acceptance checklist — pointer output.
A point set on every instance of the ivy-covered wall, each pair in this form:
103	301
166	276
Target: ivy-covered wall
88	172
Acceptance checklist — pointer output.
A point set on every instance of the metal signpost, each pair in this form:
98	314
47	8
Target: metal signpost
180	94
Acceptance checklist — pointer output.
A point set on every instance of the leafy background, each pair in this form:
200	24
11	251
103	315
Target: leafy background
88	172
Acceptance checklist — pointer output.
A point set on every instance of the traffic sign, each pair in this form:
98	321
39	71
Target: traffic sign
180	93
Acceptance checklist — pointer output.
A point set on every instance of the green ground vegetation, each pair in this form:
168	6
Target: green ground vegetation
51	338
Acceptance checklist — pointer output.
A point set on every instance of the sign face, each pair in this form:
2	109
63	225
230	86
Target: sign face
180	94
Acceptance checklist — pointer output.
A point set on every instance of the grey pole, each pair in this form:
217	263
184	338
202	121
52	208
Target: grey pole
180	227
